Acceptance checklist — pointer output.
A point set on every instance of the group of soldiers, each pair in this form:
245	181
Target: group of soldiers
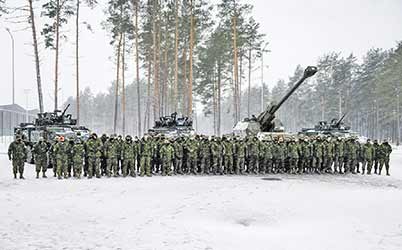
200	155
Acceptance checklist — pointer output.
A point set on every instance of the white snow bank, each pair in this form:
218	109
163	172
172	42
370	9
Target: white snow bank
194	212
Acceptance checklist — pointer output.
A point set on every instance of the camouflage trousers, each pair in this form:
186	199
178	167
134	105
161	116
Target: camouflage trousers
382	162
204	164
216	165
177	165
166	166
77	167
129	167
18	166
266	165
350	166
317	163
253	164
338	164
328	162
145	166
240	164
191	164
367	164
293	165
93	167
41	165
228	163
112	166
62	168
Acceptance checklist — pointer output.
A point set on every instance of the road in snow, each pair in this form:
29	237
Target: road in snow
198	212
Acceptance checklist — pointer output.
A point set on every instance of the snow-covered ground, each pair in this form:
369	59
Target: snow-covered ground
222	212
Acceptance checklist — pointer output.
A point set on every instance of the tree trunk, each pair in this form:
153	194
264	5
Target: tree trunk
137	65
36	52
77	73
176	60
156	97
123	78
235	72
240	83
190	86
185	92
148	108
116	100
219	99
249	83
56	68
214	101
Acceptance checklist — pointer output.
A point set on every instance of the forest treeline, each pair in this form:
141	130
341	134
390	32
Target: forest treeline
192	55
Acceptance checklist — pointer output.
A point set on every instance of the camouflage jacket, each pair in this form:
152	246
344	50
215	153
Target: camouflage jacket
17	151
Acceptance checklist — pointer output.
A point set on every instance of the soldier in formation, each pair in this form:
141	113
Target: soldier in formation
229	155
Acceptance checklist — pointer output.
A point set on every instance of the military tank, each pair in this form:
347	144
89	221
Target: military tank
334	128
50	125
173	126
266	124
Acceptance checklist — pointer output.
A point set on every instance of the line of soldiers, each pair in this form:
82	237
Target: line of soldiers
115	156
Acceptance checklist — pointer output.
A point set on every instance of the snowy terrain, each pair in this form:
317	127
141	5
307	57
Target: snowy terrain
223	212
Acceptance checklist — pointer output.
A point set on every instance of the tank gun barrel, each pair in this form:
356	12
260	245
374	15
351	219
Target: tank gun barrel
267	116
65	110
339	122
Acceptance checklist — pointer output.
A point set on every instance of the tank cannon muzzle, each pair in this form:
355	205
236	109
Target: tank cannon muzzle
310	71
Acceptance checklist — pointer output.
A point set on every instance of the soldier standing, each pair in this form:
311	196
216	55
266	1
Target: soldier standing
215	154
339	155
40	151
328	155
376	156
128	157
78	152
191	157
293	154
146	153
70	156
166	154
17	153
178	155
267	157
227	148
93	149
103	160
205	155
280	155
351	148
240	152
368	156
61	153
112	153
317	155
384	154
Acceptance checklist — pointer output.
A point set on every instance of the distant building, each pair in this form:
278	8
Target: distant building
12	115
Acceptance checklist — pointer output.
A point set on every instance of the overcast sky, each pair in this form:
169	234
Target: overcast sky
298	32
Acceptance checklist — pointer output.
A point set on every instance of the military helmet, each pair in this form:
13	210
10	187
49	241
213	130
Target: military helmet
128	137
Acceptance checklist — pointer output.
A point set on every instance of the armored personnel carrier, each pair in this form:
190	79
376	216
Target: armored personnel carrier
49	125
265	124
335	128
173	126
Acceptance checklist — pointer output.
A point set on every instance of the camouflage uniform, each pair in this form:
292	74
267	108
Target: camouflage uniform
317	155
52	157
94	149
253	153
267	155
339	155
227	147
191	156
61	153
103	160
328	155
385	151
368	156
205	156
293	154
40	150
280	155
376	156
70	155
351	152
17	153
359	156
215	155
178	156
78	158
146	153
240	153
112	154
128	157
305	157
166	154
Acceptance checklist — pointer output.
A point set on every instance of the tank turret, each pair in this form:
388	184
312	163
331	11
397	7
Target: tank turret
266	122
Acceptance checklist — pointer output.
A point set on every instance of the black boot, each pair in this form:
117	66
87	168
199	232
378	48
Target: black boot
22	177
15	175
37	175
44	175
